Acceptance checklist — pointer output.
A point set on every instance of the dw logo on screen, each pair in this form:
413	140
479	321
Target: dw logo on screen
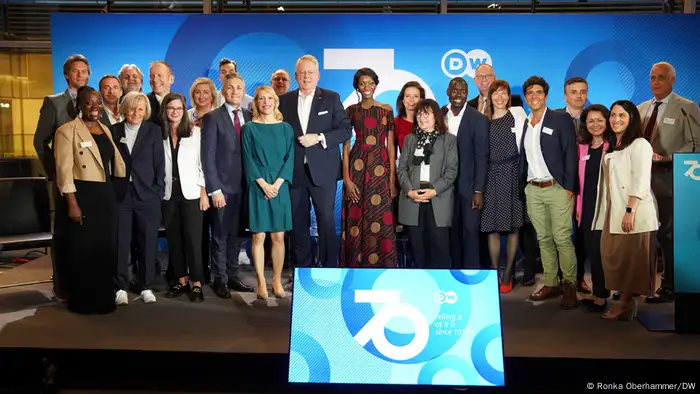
457	63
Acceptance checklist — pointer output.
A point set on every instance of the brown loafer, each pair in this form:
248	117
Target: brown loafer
568	299
545	293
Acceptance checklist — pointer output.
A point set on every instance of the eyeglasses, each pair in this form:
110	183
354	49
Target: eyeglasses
280	79
484	77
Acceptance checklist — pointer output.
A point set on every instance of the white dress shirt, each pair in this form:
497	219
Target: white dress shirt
537	168
111	117
304	105
453	121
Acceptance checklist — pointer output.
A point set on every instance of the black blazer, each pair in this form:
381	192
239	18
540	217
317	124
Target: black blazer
515	101
221	152
558	148
473	148
145	165
155	109
327	117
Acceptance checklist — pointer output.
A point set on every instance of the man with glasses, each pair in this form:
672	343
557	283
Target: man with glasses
280	81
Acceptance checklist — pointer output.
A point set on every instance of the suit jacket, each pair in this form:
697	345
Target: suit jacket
189	165
629	175
515	101
145	165
444	164
79	158
56	111
473	148
221	152
327	117
155	109
582	164
558	148
678	131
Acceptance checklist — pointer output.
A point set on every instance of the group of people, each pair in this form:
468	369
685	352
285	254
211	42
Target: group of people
584	180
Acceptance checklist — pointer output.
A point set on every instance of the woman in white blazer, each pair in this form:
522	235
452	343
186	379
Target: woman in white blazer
626	212
504	211
185	197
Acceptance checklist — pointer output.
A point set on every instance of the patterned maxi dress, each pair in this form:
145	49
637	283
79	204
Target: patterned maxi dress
368	236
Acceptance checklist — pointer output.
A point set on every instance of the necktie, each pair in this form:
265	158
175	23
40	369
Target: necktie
236	123
651	123
483	107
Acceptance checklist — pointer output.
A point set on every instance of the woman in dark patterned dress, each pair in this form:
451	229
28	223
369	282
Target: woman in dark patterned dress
504	211
369	175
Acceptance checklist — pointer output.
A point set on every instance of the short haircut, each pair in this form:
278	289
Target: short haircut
280	71
203	81
364	72
107	76
495	85
574	80
131	99
170	69
225	61
234	76
536	80
82	94
430	105
310	58
72	59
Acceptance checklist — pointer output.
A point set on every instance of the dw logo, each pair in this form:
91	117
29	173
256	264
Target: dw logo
694	165
456	63
442	297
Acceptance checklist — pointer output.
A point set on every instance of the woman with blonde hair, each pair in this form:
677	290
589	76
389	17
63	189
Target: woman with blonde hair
268	159
203	96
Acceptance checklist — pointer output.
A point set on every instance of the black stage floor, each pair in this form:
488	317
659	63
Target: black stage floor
244	342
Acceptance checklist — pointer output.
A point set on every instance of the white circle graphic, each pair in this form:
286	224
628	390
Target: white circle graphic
457	63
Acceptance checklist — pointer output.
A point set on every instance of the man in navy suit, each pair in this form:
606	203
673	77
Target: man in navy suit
320	126
472	131
548	165
223	174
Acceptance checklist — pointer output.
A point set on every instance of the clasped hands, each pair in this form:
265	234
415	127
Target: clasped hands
422	195
308	140
270	191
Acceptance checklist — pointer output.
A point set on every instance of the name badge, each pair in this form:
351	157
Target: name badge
584	158
513	129
322	113
547	130
86	144
124	140
669	121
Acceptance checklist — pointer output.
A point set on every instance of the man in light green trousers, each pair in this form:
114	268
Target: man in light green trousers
548	158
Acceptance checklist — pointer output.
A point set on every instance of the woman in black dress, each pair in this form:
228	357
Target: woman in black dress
86	221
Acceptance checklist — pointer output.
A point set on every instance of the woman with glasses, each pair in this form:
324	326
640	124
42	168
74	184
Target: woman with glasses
427	173
185	197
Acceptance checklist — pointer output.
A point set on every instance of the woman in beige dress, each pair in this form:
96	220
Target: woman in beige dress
626	212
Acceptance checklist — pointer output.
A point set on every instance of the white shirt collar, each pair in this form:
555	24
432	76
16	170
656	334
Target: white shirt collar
664	100
529	117
461	111
312	94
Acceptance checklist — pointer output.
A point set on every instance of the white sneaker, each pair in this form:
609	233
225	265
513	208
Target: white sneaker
148	297
122	298
243	258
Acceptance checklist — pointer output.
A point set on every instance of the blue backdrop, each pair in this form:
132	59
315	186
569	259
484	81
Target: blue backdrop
614	52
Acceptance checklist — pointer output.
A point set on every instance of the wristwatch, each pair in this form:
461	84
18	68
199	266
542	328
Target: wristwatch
628	210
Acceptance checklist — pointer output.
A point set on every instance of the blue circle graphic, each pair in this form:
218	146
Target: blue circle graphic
448	361
471	277
316	289
314	355
481	363
357	315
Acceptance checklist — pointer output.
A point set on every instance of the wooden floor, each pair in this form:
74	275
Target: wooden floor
29	318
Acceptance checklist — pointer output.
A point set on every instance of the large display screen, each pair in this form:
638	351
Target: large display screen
396	326
686	222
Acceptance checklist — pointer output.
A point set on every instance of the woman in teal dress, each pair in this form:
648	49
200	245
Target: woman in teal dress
268	158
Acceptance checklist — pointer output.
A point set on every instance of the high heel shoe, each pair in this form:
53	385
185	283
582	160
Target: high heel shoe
279	291
626	314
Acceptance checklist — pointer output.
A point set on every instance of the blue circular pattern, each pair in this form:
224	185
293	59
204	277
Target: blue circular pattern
471	277
481	363
317	290
609	51
448	361
314	355
357	315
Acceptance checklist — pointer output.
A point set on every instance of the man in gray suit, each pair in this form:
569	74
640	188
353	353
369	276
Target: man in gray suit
671	124
56	110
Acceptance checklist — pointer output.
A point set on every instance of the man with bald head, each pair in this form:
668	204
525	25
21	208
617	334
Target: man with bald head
671	124
280	81
484	75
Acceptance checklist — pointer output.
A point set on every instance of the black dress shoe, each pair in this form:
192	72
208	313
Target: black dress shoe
593	307
196	294
176	290
221	290
528	282
237	285
663	294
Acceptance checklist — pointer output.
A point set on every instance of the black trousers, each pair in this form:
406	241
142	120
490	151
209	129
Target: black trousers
530	248
224	244
430	244
138	221
183	227
206	242
665	238
580	249
323	198
466	242
590	240
58	263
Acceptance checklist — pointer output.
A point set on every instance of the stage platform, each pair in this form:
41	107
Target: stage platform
30	319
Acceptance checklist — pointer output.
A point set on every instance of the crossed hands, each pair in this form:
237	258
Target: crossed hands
270	191
422	196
